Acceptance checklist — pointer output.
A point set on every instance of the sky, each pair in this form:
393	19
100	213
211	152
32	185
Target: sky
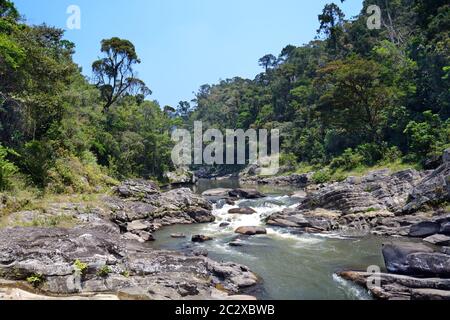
184	44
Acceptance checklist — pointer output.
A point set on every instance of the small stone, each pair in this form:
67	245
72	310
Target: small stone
200	252
201	238
224	224
178	235
247	211
146	236
251	231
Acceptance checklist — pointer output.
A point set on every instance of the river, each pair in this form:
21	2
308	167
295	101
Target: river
292	267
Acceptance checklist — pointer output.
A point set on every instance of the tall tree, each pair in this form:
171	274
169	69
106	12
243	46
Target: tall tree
331	22
114	74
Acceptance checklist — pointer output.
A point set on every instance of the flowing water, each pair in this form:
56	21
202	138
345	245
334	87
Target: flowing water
291	266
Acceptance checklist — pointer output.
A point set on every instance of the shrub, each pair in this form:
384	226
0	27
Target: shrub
288	160
104	271
80	266
347	161
321	176
7	168
429	137
72	175
35	280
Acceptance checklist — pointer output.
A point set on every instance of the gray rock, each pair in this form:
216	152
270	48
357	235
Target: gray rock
138	188
438	239
399	287
299	180
201	238
246	194
446	156
220	192
396	256
434	188
299	195
424	229
445	228
180	176
247	211
224	224
251	231
138	225
178	235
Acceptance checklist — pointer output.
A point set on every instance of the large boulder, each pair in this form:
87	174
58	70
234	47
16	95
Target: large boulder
415	259
434	188
178	206
424	229
138	188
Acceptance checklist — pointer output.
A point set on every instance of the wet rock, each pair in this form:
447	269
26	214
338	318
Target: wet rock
219	192
424	229
396	256
399	287
201	238
246	194
445	228
247	211
200	252
178	235
224	224
299	195
299	180
438	239
415	259
236	243
250	231
430	295
146	236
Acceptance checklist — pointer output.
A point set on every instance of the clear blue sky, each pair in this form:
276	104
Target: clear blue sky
186	43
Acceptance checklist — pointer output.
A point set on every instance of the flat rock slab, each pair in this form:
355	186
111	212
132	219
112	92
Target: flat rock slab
438	239
424	229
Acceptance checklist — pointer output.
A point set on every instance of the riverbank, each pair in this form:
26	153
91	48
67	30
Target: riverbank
138	241
103	249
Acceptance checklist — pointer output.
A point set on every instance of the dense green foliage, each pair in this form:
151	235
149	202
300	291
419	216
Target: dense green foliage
354	96
63	133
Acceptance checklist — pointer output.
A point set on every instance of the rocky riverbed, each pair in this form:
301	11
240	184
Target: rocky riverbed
407	204
105	255
106	249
